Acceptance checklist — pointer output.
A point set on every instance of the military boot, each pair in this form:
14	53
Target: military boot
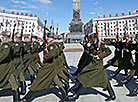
77	92
28	97
23	88
111	93
64	94
32	78
16	95
127	79
115	73
135	91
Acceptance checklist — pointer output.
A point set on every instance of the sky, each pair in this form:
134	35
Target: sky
61	10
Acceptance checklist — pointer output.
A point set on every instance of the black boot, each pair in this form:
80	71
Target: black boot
77	92
115	73
66	87
111	93
126	72
127	79
64	94
23	88
135	91
28	96
16	95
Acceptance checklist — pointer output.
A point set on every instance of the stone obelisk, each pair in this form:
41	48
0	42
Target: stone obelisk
76	23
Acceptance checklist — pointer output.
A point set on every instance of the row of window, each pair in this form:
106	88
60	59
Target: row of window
114	34
120	22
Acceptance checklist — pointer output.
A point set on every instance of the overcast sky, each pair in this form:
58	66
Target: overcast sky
61	10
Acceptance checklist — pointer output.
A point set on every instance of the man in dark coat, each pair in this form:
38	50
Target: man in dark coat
7	69
94	75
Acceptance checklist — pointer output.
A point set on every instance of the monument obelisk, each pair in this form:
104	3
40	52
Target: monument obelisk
76	23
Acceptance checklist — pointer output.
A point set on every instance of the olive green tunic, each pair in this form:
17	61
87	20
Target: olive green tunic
7	78
18	61
94	75
47	74
118	54
126	62
35	55
30	67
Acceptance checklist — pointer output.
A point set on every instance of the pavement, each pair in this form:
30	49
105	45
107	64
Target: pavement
73	53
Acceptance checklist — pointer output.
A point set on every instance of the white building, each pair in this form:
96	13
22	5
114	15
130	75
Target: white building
32	25
109	27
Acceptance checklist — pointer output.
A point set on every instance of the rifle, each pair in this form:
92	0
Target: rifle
13	32
97	43
44	38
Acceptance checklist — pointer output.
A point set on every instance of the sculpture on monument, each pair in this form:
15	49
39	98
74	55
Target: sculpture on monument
76	23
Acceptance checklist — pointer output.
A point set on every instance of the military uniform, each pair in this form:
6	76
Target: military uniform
118	54
94	75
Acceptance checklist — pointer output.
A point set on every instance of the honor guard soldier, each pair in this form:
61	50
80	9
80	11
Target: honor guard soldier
18	61
7	69
47	76
30	67
94	75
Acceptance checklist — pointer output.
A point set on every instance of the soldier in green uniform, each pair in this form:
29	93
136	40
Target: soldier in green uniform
34	52
94	75
117	56
7	69
30	67
18	62
47	77
126	61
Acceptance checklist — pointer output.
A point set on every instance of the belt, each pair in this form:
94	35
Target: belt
137	52
17	54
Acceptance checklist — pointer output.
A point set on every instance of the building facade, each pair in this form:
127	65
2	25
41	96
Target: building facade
108	28
31	25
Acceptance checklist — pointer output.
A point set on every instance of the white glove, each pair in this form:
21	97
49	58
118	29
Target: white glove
118	49
127	50
97	57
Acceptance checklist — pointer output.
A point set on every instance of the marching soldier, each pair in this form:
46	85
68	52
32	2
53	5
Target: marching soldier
84	58
18	62
94	75
126	62
7	69
47	77
30	67
117	56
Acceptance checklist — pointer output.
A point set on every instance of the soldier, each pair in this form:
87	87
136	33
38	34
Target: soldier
34	52
117	54
18	62
126	62
30	67
47	77
94	75
84	58
7	69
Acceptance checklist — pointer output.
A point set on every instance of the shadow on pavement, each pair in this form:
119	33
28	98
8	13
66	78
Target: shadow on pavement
5	92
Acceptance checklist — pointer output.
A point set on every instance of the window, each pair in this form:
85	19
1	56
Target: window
132	20
130	28
26	26
29	30
133	32
30	22
29	26
129	21
26	22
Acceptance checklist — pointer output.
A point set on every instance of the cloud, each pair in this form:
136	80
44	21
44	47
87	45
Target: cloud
19	2
15	10
15	6
92	13
29	6
96	3
44	1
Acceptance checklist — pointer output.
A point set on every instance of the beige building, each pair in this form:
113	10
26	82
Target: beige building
32	25
109	27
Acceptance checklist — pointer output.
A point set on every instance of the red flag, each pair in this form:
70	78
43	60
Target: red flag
129	13
98	16
31	15
21	13
12	12
116	14
123	14
136	11
35	15
17	13
26	14
110	15
3	10
104	16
